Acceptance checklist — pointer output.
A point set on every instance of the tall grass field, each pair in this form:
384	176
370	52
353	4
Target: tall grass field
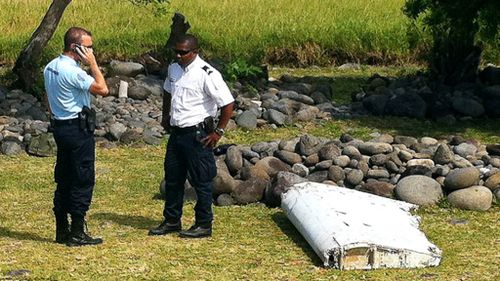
303	32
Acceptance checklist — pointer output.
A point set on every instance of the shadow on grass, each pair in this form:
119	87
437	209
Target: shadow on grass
19	235
138	222
291	232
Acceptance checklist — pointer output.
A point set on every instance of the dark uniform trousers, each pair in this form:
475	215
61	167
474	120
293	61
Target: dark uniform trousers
74	172
187	158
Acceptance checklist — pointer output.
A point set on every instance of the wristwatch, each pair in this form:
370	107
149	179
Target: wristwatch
219	131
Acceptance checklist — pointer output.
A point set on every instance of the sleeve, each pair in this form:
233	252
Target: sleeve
80	79
216	88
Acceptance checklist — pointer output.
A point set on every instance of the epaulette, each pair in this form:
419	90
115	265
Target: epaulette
207	69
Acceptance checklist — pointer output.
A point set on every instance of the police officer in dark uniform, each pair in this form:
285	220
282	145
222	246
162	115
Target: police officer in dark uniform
194	91
68	90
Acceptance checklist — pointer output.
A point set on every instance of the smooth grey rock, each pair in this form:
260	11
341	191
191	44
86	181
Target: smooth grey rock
342	161
352	152
306	114
129	69
468	107
272	165
250	191
379	188
406	140
247	120
336	173
42	145
265	148
375	104
428	141
311	160
11	148
309	145
420	190
372	148
477	198
383	138
462	178
407	104
377	174
284	180
289	145
131	136
288	157
234	159
225	200
116	130
329	151
420	162
318	176
443	154
323	165
275	117
300	170
417	170
493	182
248	172
465	149
353	177
223	182
378	159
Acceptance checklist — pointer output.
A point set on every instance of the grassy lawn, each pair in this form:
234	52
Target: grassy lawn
249	243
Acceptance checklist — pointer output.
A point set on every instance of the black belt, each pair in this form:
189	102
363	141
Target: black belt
186	130
73	121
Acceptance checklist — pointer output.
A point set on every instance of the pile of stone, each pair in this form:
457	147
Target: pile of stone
420	97
132	111
419	171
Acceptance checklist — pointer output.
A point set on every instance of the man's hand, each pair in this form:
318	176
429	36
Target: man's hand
210	140
86	55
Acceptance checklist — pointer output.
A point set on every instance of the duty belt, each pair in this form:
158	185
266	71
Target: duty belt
66	122
186	130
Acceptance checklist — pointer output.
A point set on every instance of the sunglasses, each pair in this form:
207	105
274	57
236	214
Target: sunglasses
182	52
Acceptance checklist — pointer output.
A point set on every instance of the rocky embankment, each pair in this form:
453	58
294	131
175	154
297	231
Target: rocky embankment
421	171
421	97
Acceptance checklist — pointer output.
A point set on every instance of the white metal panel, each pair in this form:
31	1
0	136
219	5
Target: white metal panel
349	229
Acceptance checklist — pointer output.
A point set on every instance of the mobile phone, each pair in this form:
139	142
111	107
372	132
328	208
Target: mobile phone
78	48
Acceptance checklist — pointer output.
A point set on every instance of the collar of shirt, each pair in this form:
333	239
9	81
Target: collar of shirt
68	60
193	64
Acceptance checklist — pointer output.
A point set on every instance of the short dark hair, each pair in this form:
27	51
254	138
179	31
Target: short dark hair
74	35
190	39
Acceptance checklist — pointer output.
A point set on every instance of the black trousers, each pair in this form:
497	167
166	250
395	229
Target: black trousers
74	172
187	158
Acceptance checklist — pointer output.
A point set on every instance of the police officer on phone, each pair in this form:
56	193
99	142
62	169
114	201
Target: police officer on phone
68	90
194	91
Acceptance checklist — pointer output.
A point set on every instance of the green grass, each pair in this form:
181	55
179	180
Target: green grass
249	243
305	32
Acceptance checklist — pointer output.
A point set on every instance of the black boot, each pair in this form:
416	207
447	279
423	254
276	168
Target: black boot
165	228
197	231
78	237
62	228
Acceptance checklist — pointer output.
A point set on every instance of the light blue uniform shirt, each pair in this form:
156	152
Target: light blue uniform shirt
67	87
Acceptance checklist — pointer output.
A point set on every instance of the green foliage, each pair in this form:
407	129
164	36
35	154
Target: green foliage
241	69
460	29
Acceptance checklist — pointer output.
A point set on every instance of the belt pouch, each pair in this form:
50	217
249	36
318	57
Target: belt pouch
209	124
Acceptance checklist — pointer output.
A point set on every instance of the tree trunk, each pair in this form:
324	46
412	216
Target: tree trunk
26	66
179	27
